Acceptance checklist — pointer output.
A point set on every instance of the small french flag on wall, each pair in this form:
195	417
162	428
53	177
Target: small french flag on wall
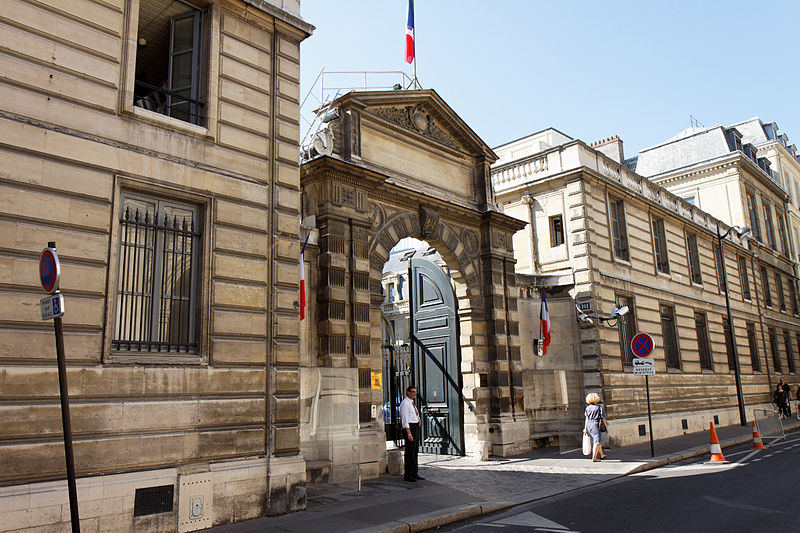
303	279
410	33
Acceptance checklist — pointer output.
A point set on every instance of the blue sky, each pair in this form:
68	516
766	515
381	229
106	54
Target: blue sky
589	69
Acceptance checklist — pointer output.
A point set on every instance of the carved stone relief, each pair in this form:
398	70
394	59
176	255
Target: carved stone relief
376	214
428	222
415	118
470	239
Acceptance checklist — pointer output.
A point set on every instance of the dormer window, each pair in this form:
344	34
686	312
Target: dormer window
734	140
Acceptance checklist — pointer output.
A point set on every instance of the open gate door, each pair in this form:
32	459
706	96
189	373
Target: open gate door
435	357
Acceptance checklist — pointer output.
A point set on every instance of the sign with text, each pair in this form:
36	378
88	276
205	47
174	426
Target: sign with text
644	366
52	306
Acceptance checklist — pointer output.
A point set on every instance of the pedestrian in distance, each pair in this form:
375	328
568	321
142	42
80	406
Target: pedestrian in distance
781	399
595	424
409	418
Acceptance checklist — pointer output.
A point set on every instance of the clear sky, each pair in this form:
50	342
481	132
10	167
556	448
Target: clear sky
636	69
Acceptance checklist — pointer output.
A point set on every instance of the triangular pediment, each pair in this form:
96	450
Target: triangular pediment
419	113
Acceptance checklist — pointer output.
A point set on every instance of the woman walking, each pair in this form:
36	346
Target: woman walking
595	419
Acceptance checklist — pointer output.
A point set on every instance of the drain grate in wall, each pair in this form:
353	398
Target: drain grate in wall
716	420
153	500
685	423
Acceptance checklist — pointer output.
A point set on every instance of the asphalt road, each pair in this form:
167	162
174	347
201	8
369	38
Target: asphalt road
757	492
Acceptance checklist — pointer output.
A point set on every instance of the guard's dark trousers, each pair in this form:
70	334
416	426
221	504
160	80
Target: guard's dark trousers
412	452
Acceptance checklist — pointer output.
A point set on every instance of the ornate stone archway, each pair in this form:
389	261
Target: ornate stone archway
404	165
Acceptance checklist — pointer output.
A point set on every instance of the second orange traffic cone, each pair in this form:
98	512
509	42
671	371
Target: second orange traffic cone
757	444
716	450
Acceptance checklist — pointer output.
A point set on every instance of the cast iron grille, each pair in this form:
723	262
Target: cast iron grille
156	286
153	500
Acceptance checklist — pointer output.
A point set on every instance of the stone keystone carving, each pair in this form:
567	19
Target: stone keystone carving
428	222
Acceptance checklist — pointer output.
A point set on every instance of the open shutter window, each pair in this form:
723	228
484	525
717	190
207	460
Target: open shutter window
184	66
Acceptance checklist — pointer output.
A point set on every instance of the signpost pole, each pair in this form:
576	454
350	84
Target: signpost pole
64	393
649	415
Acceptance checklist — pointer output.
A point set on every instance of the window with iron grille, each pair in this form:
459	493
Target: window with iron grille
627	328
753	344
156	295
743	278
718	258
694	258
769	227
619	232
660	245
170	60
787	343
765	287
701	327
782	232
726	329
793	295
752	209
779	289
773	346
797	338
671	351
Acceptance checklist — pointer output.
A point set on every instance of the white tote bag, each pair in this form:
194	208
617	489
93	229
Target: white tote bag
587	443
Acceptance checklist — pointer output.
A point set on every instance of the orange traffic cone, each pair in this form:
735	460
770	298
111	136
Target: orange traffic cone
716	450
757	444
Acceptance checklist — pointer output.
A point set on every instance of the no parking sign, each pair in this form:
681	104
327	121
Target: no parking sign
642	346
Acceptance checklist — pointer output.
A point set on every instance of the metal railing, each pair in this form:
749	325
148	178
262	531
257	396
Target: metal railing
170	103
155	308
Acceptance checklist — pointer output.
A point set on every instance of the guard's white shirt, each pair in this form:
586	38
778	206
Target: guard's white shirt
408	412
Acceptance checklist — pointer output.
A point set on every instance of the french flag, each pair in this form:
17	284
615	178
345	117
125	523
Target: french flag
303	279
544	315
410	33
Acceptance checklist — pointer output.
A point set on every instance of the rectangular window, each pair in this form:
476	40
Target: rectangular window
718	263
744	278
157	297
779	289
556	231
797	338
726	329
660	245
671	351
793	295
627	328
773	346
782	232
753	344
765	287
619	232
769	227
170	59
787	343
701	327
752	209
694	258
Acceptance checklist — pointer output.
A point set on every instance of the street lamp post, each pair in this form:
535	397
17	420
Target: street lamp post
740	398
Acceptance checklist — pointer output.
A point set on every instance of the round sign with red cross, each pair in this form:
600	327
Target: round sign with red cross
49	270
642	345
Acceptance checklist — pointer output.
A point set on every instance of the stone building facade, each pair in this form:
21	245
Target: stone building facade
168	176
603	236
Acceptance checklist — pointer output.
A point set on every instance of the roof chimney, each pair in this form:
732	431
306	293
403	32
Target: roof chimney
611	147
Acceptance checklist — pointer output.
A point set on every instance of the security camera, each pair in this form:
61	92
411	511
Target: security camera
622	311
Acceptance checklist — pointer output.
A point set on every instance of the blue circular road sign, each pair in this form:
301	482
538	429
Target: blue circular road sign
642	345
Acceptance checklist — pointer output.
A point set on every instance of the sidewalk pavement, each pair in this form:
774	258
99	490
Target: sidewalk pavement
459	488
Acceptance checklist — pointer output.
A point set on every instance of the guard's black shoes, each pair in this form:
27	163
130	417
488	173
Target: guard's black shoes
418	477
410	479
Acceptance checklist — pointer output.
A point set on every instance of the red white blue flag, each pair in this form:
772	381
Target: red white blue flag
303	279
410	33
544	315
